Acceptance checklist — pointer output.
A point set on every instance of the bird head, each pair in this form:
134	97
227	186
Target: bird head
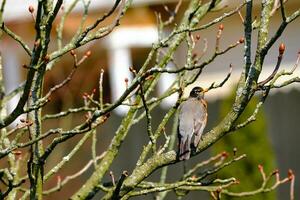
197	92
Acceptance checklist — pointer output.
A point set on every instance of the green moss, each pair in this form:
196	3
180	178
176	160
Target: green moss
252	140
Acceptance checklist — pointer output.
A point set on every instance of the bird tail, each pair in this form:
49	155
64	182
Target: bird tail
184	148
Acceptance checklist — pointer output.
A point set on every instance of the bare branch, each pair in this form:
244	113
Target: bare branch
279	59
262	189
16	38
69	178
214	86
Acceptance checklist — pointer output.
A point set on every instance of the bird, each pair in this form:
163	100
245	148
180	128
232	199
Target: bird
192	120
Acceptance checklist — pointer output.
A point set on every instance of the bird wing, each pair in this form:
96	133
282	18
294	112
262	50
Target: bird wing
192	120
185	130
200	120
186	124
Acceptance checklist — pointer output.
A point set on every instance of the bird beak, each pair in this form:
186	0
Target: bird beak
205	90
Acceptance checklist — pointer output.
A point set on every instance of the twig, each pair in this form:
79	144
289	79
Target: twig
94	147
262	172
262	189
218	168
116	192
278	4
67	112
98	21
2	10
165	146
218	37
205	26
42	101
199	66
19	127
60	27
241	16
250	119
163	175
279	31
102	32
204	49
214	86
29	143
67	158
111	174
172	13
279	59
101	89
156	134
292	186
284	73
148	115
60	184
91	100
282	10
17	39
181	185
65	135
206	162
248	36
154	102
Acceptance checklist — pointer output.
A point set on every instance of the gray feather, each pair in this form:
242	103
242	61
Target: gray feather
192	120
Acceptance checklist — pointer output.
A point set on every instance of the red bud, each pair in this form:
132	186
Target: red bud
219	190
37	43
46	58
88	53
242	40
276	171
221	27
225	154
25	66
290	174
281	48
194	55
31	9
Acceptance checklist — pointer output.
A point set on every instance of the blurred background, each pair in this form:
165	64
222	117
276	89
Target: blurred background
273	140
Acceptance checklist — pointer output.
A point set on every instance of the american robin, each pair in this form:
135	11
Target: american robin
192	121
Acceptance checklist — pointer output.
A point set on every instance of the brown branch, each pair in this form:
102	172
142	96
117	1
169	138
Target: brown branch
279	59
264	188
69	178
116	192
214	86
172	13
98	21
